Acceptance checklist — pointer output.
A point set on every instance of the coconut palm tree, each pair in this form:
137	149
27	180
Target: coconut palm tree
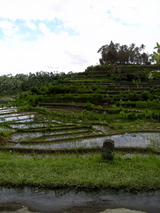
108	53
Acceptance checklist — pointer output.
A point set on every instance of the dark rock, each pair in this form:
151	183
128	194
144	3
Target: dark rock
107	150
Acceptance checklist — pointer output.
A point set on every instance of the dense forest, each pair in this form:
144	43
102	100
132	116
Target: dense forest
11	85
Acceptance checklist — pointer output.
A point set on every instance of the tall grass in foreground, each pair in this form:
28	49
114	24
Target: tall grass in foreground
75	171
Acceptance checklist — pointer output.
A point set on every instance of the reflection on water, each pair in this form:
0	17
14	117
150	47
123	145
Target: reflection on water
19	118
59	132
49	135
67	201
136	139
28	135
23	118
18	115
6	129
4	110
125	140
66	144
29	125
26	124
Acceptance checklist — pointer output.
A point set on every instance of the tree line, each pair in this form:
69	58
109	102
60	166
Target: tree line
114	53
11	85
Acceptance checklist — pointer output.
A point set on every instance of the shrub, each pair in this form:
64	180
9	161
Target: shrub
98	98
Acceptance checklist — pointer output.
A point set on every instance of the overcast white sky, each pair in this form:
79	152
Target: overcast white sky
65	35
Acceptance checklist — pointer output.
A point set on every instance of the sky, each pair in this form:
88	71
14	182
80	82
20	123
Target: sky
65	35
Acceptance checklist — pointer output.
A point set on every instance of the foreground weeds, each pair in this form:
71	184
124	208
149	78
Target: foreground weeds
137	173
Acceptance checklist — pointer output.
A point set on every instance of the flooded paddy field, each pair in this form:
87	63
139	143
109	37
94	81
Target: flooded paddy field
33	130
136	140
5	110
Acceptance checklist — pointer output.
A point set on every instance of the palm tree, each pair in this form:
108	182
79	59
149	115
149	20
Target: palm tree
108	53
123	54
142	47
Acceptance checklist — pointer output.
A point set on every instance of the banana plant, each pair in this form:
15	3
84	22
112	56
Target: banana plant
156	55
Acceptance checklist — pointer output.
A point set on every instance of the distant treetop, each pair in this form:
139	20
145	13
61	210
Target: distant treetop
123	54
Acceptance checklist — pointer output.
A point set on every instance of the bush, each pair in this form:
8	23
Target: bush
98	98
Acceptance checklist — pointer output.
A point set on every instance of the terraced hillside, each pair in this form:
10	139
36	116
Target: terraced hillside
80	112
99	96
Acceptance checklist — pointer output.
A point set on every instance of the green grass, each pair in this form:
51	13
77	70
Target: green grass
84	172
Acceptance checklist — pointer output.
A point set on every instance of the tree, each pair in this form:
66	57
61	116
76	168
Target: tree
156	55
123	54
144	58
142	47
108	53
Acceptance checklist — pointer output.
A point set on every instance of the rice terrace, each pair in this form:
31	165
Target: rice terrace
52	129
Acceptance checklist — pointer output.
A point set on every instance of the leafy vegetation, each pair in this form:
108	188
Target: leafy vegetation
156	55
122	100
11	85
